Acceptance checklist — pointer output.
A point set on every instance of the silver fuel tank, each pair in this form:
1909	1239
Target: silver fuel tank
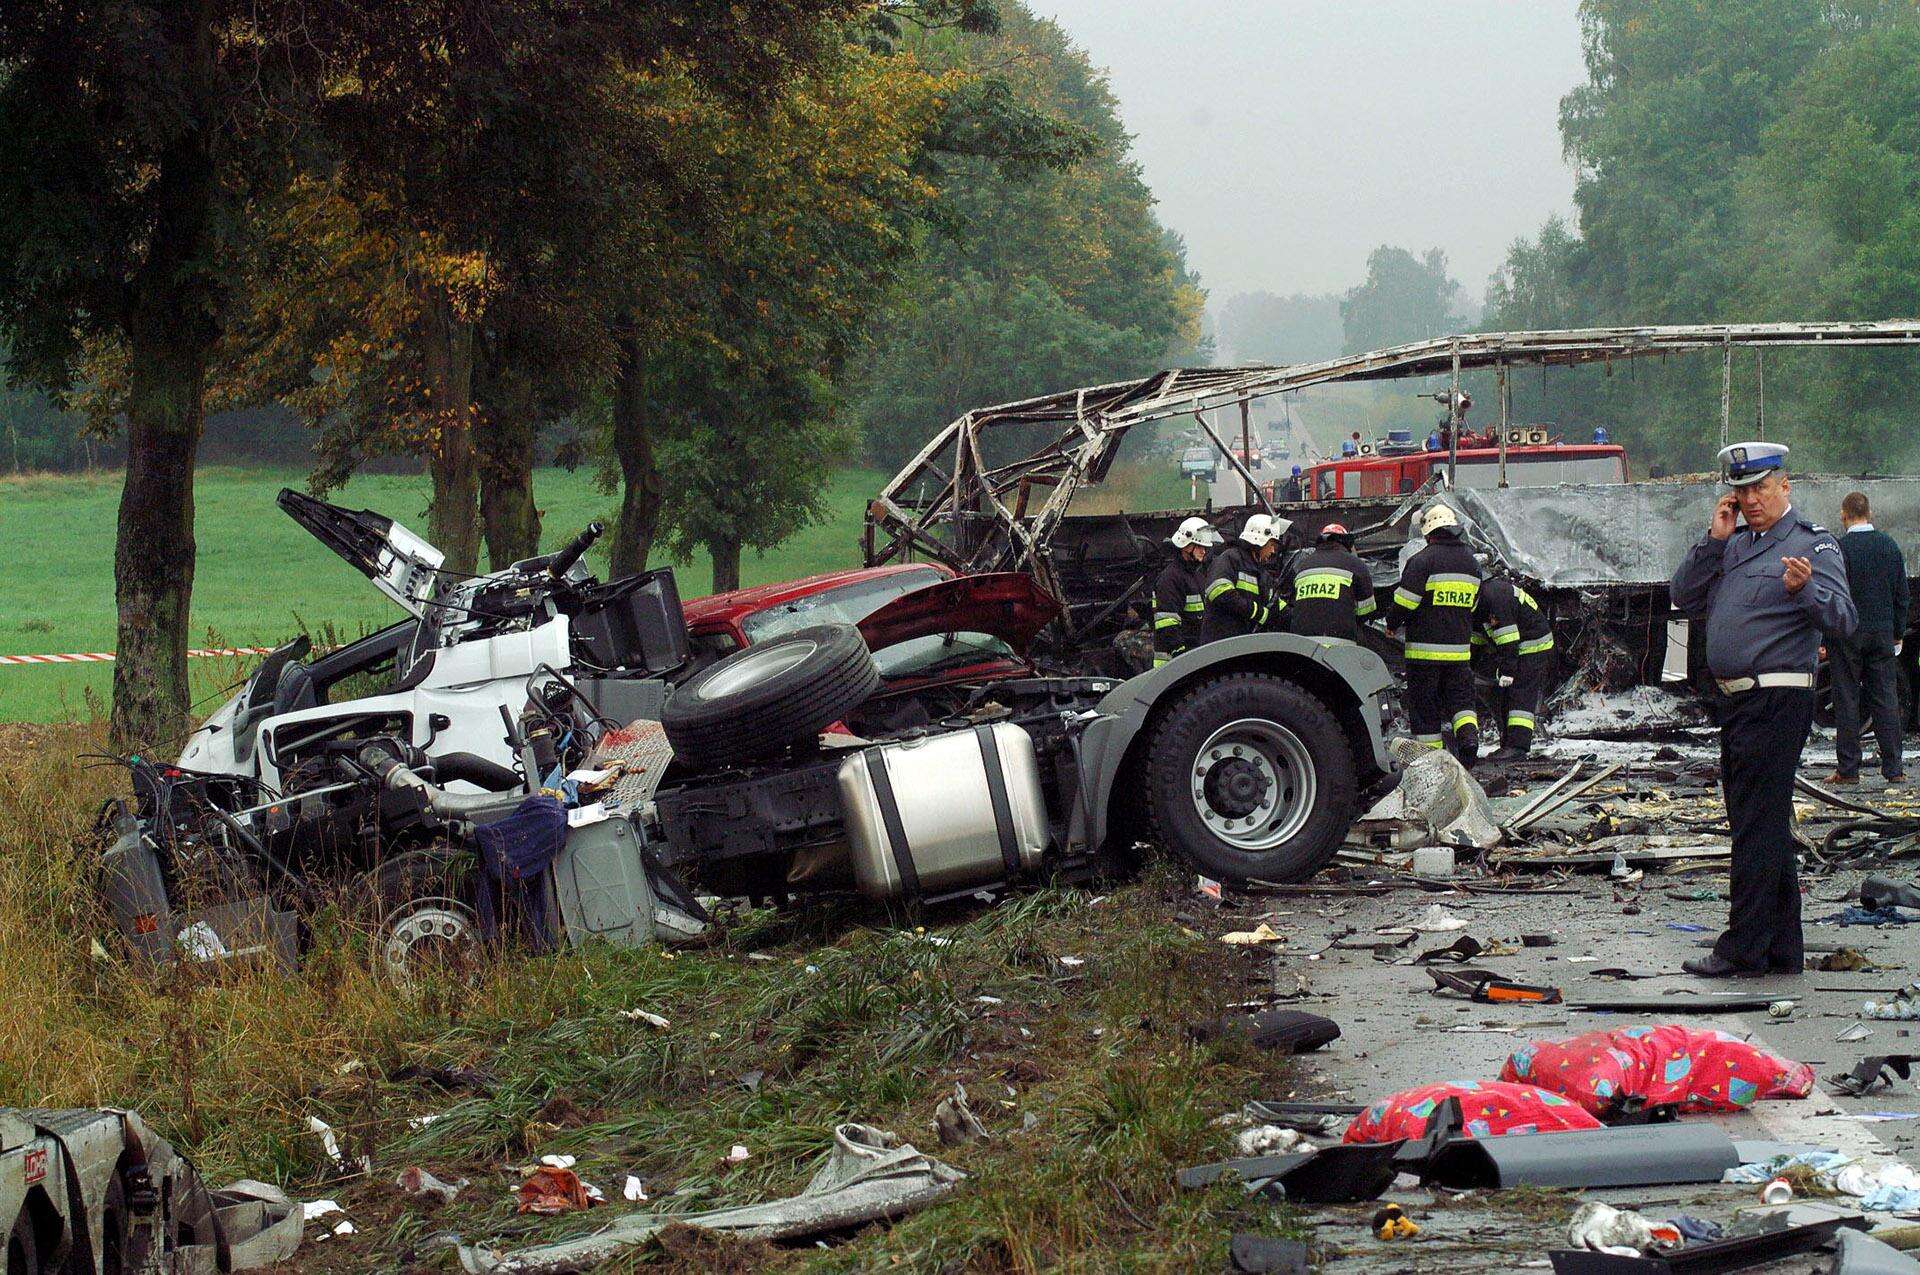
934	815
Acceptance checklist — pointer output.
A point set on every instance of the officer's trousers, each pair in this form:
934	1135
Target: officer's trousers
1517	705
1761	735
1440	707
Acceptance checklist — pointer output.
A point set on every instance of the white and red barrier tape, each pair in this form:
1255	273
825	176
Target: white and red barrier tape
106	657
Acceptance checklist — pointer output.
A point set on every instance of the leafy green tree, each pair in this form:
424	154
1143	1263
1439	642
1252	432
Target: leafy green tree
1404	298
1045	266
132	135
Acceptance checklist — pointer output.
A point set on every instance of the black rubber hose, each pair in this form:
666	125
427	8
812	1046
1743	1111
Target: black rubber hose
476	770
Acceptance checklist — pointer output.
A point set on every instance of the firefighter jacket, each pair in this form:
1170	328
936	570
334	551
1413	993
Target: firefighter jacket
1179	608
1328	591
1436	598
1238	591
1508	619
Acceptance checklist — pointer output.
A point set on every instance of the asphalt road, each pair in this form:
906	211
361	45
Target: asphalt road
1398	1034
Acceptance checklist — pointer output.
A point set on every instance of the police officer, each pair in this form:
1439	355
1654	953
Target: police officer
1512	623
1438	592
1329	590
1240	594
1179	593
1295	487
1767	591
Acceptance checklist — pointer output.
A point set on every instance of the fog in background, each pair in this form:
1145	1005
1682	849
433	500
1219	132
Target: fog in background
1285	141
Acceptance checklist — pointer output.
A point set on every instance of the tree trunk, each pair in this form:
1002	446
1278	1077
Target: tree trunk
726	563
153	554
641	488
507	513
170	329
453	523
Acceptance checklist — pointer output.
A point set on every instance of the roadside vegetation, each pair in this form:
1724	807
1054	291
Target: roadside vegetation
260	578
786	1025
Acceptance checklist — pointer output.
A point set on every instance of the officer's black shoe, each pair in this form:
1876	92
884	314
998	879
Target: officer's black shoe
1502	756
1713	966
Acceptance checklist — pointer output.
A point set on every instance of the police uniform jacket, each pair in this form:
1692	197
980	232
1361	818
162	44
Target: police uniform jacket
1328	592
1238	589
1179	608
1511	621
1435	599
1753	624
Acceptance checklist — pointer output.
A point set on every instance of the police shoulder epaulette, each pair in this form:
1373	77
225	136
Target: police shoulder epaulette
1817	529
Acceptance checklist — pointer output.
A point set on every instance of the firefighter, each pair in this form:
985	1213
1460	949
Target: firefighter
1240	595
1179	594
1512	623
1329	590
1436	598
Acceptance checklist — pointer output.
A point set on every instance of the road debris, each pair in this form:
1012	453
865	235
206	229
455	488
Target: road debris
867	1175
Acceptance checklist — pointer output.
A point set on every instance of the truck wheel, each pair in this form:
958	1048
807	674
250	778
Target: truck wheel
23	1247
423	913
755	702
1251	776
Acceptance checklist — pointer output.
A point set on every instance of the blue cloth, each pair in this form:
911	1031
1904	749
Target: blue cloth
515	853
1753	624
1861	916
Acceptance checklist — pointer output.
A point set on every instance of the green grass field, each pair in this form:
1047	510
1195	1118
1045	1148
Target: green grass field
260	577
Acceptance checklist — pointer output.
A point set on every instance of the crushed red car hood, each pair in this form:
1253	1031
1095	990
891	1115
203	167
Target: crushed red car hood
1007	605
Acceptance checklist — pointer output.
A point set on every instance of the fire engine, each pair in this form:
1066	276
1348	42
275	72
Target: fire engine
1398	465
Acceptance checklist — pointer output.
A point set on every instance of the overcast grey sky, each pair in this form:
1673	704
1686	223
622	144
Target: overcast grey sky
1286	139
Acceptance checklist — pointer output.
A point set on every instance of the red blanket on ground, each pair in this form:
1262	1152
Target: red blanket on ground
1489	1107
1694	1068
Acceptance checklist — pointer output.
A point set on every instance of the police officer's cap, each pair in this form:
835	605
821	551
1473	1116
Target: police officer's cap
1746	463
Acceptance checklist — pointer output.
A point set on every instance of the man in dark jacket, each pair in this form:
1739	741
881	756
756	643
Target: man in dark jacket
1329	590
1179	594
1436	597
1241	582
1869	660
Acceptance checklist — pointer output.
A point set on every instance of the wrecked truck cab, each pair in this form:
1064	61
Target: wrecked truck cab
1245	758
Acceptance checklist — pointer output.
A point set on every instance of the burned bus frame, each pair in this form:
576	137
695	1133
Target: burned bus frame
950	505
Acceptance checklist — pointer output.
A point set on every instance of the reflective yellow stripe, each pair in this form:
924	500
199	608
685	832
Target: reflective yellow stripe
1467	718
1160	657
1195	602
1165	620
1520	719
1506	635
1218	587
1440	651
1407	598
1367	607
1526	599
1538	645
1430	741
1479	639
1322	584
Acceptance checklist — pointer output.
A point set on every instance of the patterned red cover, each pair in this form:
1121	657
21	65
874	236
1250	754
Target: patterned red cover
1490	1107
1697	1069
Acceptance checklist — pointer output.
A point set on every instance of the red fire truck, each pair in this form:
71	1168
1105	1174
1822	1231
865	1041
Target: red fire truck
1396	466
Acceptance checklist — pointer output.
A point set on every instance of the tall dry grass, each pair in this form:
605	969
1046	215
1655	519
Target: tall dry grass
224	1062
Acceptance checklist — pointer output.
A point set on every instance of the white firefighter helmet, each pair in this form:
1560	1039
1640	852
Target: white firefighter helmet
1438	518
1196	531
1264	529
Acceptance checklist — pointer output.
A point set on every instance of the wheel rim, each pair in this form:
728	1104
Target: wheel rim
754	667
438	932
1253	784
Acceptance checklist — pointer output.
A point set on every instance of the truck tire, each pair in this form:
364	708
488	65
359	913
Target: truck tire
757	701
1250	776
422	912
